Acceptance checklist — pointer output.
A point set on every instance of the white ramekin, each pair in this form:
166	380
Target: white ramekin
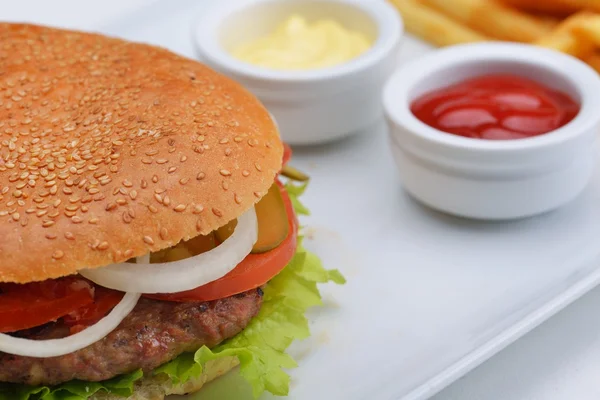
311	106
488	179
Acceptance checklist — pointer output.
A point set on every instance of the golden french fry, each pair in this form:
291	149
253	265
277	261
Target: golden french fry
434	27
594	61
565	38
550	21
589	29
556	7
492	18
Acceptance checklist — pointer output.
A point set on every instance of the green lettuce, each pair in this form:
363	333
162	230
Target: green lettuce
260	347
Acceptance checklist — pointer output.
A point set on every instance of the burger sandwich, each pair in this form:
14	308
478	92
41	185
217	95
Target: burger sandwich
147	241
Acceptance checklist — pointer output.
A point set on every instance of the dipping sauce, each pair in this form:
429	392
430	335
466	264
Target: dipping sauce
496	107
298	45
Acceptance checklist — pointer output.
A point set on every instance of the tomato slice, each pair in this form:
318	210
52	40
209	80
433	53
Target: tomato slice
287	153
254	271
37	303
104	301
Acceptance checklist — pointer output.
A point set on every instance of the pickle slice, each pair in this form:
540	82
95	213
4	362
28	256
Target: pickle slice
201	244
273	224
294	174
185	249
175	253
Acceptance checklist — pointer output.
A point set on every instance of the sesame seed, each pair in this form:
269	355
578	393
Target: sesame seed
93	221
172	169
163	233
50	236
224	185
257	166
126	217
162	161
128	253
166	201
217	212
257	194
237	198
180	208
58	254
245	173
200	176
133	194
148	240
76	219
225	172
47	223
152	209
155	178
69	236
103	246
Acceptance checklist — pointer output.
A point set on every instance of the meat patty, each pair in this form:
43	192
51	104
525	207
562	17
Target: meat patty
154	333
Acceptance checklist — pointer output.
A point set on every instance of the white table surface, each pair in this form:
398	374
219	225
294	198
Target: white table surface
558	360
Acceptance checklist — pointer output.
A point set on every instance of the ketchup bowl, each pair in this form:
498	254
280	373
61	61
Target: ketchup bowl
480	178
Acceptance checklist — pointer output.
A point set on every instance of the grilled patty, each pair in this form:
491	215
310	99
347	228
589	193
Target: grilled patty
154	333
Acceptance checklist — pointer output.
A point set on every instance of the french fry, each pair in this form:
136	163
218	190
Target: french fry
434	27
565	38
594	61
556	7
550	21
492	18
589	29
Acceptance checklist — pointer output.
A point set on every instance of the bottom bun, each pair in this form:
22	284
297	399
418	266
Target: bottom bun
160	386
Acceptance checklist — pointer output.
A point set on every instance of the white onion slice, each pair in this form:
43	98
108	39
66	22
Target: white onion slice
182	275
70	344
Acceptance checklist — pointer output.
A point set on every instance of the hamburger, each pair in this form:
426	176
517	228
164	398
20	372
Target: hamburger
147	242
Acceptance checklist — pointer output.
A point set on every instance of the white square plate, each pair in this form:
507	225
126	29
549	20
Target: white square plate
429	297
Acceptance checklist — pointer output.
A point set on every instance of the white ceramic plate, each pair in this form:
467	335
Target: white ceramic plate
429	297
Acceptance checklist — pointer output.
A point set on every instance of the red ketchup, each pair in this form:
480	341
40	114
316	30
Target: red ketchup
495	107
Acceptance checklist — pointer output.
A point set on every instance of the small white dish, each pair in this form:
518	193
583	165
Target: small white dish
311	106
487	179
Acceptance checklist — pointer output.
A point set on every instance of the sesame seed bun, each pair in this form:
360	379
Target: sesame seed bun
111	149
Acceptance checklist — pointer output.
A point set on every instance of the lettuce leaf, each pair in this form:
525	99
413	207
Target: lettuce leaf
260	347
73	390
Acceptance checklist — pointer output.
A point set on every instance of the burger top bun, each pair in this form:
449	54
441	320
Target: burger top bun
111	149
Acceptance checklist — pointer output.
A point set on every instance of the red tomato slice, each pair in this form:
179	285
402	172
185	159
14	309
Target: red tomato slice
287	153
104	301
34	304
254	271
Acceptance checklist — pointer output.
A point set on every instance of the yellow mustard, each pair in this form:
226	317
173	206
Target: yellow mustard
297	44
